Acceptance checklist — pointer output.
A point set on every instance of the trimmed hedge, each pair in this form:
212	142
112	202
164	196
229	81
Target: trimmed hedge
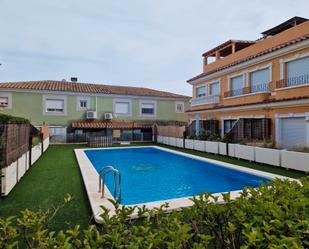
8	119
271	216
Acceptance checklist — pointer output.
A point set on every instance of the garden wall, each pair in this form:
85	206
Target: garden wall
12	172
279	158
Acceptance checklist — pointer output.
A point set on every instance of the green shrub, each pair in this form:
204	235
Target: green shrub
272	216
8	119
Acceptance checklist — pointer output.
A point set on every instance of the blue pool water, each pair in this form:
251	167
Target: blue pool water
150	174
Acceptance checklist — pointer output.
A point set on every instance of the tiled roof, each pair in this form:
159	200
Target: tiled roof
109	124
268	101
224	44
251	57
64	86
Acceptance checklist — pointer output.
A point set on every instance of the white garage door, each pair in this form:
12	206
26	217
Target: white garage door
293	132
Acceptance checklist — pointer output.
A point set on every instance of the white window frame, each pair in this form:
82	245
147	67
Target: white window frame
269	66
212	82
180	103
278	125
78	101
284	61
244	78
152	102
9	97
206	91
55	97
122	100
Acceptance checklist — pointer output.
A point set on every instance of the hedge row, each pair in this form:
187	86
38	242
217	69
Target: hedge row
8	119
272	216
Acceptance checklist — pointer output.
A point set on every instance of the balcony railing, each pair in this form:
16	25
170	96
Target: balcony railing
293	81
247	90
213	99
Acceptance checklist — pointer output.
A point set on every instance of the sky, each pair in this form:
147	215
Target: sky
156	44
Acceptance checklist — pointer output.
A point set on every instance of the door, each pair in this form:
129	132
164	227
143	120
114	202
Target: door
293	132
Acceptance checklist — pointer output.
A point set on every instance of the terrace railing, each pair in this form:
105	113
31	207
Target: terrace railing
213	99
293	81
247	90
260	88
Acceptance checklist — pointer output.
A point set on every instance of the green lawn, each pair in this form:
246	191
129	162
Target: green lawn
56	173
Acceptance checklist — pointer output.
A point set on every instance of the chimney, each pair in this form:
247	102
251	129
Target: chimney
74	79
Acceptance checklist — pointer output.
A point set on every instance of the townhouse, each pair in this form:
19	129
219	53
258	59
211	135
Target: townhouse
258	88
73	108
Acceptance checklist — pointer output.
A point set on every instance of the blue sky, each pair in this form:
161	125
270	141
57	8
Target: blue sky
156	44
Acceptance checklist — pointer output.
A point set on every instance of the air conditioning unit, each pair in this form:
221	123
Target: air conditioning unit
108	116
91	114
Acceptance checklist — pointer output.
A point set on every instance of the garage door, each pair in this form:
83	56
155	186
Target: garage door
293	132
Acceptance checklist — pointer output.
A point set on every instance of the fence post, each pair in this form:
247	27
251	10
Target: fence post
30	149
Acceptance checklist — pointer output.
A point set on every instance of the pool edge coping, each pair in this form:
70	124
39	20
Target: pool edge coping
91	177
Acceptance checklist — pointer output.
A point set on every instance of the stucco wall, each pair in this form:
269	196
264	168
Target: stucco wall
30	105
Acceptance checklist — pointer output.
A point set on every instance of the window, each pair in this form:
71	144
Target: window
214	88
237	85
83	104
122	108
228	124
297	71
201	91
260	80
180	107
54	105
148	108
4	101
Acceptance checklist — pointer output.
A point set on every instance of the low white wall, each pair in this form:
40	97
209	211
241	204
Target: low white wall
21	166
268	156
222	148
232	150
189	144
286	159
212	147
295	160
199	145
160	139
172	141
165	140
14	172
244	152
36	152
179	142
45	144
9	179
27	162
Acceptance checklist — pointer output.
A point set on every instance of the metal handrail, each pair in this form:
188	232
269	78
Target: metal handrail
105	170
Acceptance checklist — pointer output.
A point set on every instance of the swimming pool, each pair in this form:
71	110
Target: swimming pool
152	174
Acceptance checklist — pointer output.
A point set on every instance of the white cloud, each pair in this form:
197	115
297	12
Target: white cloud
156	44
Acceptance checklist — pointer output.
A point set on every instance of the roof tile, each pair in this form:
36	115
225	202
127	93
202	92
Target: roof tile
63	86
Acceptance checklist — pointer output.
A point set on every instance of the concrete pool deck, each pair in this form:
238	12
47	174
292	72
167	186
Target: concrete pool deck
91	181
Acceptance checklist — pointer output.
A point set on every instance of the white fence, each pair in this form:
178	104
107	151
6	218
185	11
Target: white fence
12	174
279	158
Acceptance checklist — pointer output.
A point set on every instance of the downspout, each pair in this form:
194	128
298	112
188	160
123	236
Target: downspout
96	104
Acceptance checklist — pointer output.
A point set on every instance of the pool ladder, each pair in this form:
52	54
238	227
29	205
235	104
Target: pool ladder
105	170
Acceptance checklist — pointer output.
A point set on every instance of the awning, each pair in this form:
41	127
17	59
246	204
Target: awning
110	124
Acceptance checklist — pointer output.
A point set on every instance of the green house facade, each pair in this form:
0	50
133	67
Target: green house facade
59	103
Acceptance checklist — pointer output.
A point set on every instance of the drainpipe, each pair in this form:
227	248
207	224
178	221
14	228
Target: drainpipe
96	104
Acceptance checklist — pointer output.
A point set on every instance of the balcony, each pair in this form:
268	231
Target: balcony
247	90
212	99
293	81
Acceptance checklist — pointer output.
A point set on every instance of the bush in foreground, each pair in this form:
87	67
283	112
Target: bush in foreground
272	216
